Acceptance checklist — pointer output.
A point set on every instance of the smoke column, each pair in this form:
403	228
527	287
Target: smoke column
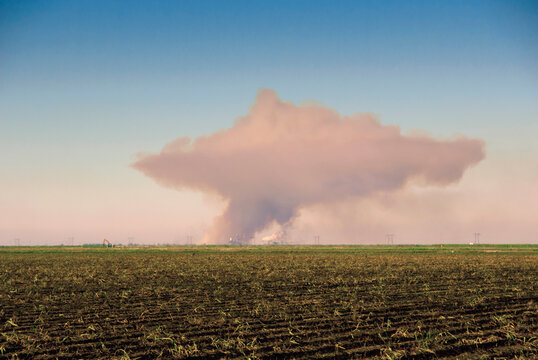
281	157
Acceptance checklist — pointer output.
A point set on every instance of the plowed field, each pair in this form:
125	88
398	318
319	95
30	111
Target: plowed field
268	304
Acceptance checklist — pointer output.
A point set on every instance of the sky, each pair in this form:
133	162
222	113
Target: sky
88	86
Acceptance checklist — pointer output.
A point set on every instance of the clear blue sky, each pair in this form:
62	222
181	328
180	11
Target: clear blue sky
193	66
86	84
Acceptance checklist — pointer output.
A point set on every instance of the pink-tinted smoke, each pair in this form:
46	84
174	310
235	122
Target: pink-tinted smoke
282	157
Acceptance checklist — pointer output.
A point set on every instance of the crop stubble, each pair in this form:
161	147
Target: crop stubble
196	305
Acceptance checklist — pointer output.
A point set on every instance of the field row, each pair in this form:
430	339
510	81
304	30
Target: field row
234	305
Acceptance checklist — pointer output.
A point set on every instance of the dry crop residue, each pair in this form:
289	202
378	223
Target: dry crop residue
265	305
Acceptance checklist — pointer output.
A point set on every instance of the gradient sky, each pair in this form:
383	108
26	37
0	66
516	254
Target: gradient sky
85	85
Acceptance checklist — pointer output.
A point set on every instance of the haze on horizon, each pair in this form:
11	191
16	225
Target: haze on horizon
417	119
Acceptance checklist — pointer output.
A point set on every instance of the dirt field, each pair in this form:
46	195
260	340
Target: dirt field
269	303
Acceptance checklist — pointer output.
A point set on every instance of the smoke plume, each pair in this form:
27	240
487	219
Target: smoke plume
281	157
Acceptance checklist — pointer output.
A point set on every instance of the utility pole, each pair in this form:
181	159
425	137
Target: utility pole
389	239
477	238
17	242
316	239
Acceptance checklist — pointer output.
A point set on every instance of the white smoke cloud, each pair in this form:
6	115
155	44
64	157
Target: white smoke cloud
280	158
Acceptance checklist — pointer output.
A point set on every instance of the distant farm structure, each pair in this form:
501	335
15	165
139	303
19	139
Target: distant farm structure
238	239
